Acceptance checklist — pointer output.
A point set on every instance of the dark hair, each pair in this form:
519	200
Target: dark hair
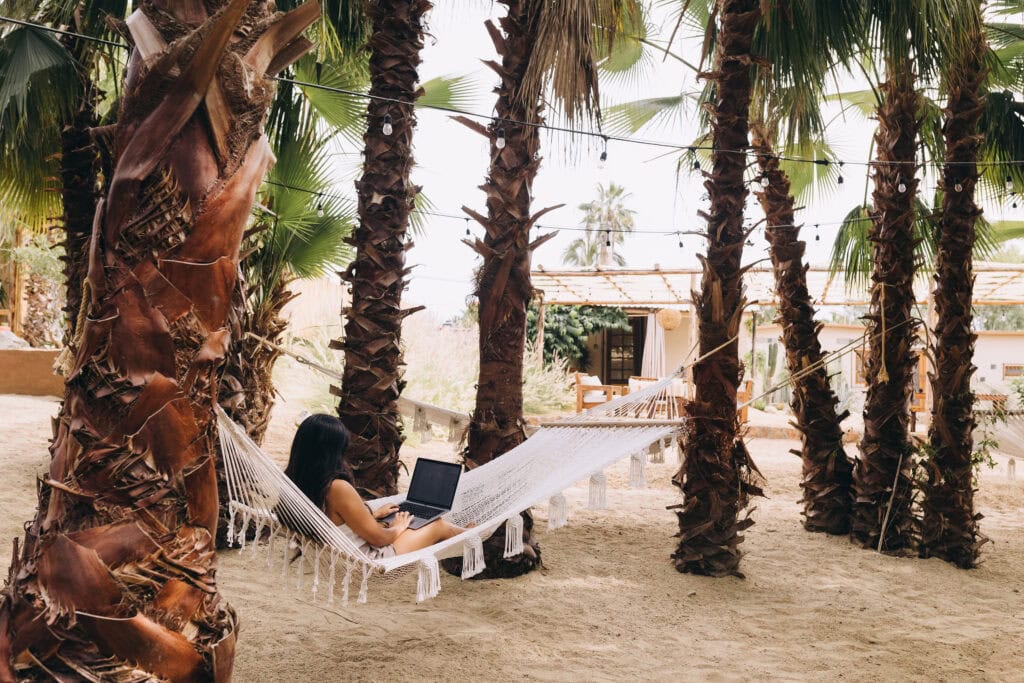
318	456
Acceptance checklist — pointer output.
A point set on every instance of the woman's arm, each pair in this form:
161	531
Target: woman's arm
343	499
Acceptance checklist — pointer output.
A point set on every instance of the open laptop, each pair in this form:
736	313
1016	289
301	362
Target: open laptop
431	491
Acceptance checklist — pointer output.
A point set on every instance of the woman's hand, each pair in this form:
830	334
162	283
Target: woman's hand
401	522
385	510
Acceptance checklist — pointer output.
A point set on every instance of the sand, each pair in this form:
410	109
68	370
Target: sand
610	606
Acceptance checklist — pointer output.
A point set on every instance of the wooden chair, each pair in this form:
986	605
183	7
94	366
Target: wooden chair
742	396
590	392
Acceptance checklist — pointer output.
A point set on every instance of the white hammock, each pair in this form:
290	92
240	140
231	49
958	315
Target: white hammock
557	456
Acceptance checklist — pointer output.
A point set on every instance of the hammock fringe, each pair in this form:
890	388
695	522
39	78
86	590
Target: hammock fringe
513	536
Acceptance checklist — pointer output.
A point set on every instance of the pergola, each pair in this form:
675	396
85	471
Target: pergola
996	284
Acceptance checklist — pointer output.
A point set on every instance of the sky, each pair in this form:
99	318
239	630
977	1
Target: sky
451	162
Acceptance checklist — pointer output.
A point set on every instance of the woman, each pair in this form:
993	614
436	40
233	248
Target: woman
317	466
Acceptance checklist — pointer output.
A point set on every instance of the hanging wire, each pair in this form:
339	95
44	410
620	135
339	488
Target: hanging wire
692	149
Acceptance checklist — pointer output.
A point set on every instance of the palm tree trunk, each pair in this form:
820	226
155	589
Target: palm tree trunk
714	476
78	172
882	476
372	379
117	575
950	525
827	472
503	281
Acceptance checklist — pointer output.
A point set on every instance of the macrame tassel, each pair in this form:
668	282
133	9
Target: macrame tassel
245	528
657	452
364	586
558	514
638	470
316	571
232	509
598	491
514	536
428	583
331	577
259	523
347	581
287	551
472	557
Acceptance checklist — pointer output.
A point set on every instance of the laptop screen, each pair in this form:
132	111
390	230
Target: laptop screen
434	483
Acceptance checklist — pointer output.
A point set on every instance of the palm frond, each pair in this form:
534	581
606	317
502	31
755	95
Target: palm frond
630	117
453	92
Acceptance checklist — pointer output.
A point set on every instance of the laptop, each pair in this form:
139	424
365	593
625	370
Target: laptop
431	491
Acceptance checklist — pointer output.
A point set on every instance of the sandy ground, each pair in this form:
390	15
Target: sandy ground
609	605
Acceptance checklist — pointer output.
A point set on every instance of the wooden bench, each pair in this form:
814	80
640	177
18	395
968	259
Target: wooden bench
608	391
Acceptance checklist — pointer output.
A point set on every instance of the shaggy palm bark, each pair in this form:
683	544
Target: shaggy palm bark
882	516
247	387
116	580
715	474
372	379
79	165
949	529
827	472
503	281
42	312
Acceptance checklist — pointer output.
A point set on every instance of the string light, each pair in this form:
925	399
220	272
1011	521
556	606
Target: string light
1009	184
902	187
817	233
386	128
765	181
959	187
601	162
320	209
468	233
568	228
839	180
500	142
607	238
562	129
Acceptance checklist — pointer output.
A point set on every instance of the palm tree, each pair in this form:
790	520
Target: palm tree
117	575
912	37
542	46
949	526
50	100
372	380
785	114
714	477
606	221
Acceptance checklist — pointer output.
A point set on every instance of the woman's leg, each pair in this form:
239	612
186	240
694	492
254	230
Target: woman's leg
417	539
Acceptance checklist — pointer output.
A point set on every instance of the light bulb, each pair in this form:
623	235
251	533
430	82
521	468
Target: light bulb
601	161
902	187
320	210
765	182
500	142
817	235
1009	184
467	227
608	239
680	242
386	127
696	165
959	187
839	180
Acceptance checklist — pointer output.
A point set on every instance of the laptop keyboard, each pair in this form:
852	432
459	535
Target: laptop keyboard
417	510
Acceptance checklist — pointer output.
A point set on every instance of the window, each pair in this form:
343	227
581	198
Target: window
625	351
1013	371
